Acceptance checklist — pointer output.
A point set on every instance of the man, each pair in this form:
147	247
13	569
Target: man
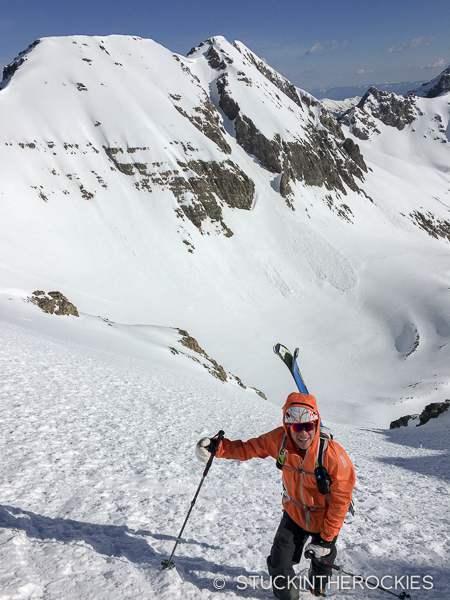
307	511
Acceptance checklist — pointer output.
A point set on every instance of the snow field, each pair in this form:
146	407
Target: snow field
98	474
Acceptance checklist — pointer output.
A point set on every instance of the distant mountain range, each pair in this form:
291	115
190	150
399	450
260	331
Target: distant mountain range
209	193
344	92
431	89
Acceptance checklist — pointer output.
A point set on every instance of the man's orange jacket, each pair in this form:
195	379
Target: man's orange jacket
313	511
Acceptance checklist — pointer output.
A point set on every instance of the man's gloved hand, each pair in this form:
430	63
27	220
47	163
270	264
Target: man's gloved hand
203	449
319	548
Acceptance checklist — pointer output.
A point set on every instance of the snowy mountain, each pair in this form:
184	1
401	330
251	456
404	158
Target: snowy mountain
208	193
161	195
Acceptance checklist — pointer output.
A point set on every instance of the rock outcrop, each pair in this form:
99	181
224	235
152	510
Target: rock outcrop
53	303
390	109
435	227
431	411
207	120
213	367
201	187
209	363
10	69
206	184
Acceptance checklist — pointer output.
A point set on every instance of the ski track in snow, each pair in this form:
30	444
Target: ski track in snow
98	473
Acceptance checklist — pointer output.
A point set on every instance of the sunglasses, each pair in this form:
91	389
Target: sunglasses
297	427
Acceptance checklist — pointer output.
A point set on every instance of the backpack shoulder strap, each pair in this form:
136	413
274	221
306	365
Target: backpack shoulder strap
323	445
324	436
282	452
320	472
325	432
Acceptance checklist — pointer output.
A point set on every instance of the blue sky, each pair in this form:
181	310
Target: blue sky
319	43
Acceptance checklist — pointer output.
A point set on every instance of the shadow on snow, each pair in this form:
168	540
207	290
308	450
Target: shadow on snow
122	542
434	465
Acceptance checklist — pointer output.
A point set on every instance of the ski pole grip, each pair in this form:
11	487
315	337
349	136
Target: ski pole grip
217	439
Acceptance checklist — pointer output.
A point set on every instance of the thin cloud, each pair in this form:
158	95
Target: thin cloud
416	43
325	47
363	71
439	63
6	23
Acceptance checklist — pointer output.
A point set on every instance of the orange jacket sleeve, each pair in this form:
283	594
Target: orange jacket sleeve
263	446
342	474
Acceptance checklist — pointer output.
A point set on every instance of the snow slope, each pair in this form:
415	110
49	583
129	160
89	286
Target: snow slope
98	472
338	107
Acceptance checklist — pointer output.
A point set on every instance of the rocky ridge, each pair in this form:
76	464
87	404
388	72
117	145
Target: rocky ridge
9	70
404	113
56	303
438	86
317	158
387	107
211	365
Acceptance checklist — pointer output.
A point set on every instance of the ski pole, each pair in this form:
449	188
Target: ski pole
168	564
322	561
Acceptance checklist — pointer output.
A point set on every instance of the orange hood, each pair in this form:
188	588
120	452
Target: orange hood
307	401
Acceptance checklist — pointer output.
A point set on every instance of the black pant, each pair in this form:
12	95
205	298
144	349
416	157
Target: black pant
286	552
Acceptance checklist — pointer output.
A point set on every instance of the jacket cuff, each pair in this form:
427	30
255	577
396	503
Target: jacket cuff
325	543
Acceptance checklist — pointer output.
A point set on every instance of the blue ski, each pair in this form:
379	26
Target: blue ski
291	362
297	375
